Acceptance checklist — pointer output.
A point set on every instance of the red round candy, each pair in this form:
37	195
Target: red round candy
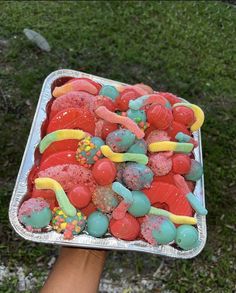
60	146
77	118
107	128
122	102
104	171
60	158
184	115
181	164
159	116
80	196
168	197
175	128
127	228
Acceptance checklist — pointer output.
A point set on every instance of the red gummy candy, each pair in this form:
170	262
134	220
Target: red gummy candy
107	128
60	146
175	128
73	118
66	157
169	197
104	171
80	196
171	98
46	194
97	85
181	164
104	101
127	228
184	115
159	116
122	102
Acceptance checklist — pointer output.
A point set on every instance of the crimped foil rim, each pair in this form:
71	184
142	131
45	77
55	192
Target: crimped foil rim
85	240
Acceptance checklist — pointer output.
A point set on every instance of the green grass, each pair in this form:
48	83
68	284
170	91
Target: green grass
183	47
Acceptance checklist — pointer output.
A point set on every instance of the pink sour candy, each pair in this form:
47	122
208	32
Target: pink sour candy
157	135
32	205
161	163
71	100
69	176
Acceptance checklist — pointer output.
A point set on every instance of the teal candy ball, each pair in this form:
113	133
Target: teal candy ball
187	237
166	232
140	205
137	115
196	171
97	224
120	140
109	91
38	219
139	147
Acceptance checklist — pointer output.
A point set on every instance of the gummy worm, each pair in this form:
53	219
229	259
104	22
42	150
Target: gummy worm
148	99
77	85
192	199
63	201
124	192
123	157
58	135
182	137
162	146
172	217
112	117
198	113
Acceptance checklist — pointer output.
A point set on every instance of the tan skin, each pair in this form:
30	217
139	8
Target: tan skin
76	270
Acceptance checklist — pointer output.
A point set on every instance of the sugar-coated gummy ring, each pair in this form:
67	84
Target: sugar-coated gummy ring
63	201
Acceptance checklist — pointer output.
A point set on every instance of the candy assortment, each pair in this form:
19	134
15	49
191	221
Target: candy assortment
116	160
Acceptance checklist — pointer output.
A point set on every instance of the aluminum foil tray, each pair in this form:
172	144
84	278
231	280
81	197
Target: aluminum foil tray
83	240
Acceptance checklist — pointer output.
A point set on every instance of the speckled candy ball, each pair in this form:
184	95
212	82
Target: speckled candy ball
70	226
35	213
120	140
88	151
157	135
137	176
158	230
105	199
161	163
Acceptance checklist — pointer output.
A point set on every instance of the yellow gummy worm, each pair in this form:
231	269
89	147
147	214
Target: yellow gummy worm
63	201
61	134
123	157
162	146
172	217
198	113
